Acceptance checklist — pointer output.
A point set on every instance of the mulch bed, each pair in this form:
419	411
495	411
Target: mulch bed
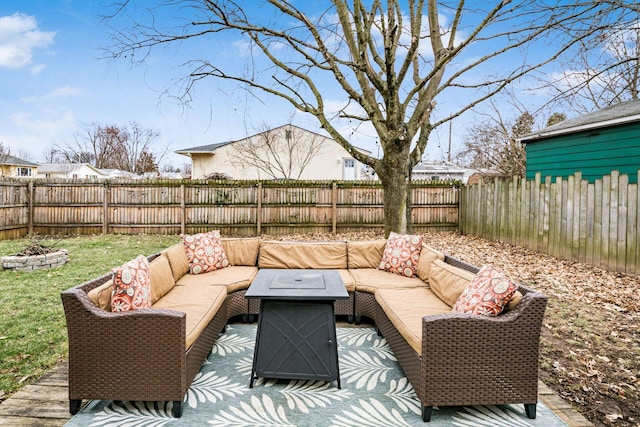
590	346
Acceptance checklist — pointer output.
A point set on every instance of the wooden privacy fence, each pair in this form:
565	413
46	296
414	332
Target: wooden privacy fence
236	208
596	223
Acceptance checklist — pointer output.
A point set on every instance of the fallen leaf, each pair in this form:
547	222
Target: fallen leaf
613	417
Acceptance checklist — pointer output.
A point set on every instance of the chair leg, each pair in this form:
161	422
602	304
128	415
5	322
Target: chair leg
74	406
530	409
426	413
177	409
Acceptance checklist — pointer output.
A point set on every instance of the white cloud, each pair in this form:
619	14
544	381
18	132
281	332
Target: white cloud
19	36
46	125
57	93
37	69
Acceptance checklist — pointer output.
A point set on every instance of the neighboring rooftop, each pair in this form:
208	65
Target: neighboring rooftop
15	161
624	112
210	148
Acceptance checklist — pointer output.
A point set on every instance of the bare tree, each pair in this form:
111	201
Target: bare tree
131	148
604	70
390	61
556	118
283	152
5	152
492	143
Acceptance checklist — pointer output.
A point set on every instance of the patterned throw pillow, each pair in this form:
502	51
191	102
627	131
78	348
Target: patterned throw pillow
205	252
131	286
488	293
401	254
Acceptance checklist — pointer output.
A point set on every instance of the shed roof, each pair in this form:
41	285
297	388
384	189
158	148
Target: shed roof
624	112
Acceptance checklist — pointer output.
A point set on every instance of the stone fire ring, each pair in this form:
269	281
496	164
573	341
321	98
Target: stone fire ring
35	262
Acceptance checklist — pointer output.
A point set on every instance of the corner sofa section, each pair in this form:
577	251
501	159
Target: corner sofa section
449	358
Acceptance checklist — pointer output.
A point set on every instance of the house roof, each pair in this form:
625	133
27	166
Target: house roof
624	112
428	166
210	148
203	149
44	168
15	161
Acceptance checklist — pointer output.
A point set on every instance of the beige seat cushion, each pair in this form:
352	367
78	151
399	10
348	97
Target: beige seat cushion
427	256
447	281
242	250
234	278
365	254
405	308
323	255
200	303
160	278
101	295
347	278
371	279
178	260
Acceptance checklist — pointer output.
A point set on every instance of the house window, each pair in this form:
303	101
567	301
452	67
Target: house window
24	171
435	178
287	134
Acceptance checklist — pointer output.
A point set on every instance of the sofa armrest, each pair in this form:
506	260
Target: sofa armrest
101	343
454	342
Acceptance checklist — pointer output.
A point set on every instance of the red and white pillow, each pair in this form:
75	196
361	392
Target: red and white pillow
487	294
131	286
205	252
401	254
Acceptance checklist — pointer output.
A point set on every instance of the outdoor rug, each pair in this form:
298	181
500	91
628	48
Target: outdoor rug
374	392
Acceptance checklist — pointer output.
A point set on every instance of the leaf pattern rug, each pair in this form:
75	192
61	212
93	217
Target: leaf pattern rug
374	392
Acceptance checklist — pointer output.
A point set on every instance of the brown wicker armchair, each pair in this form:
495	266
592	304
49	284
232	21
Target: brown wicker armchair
473	360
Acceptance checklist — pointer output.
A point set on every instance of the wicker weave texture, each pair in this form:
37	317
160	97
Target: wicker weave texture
365	305
483	360
236	304
472	360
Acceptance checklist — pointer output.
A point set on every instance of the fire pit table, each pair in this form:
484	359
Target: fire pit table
296	335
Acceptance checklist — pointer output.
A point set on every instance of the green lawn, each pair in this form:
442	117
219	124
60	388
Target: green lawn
33	335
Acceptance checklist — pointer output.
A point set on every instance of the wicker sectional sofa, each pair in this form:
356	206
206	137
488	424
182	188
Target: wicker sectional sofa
450	359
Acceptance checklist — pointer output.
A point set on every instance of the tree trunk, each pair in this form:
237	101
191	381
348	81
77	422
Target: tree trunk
408	205
395	204
395	183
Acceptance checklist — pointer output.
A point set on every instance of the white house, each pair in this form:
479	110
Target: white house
118	174
70	171
284	152
440	171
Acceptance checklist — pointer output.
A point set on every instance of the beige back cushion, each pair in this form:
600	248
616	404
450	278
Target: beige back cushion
365	254
101	296
427	256
277	254
160	278
178	261
447	281
241	251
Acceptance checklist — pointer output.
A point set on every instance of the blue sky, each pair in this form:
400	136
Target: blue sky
55	82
